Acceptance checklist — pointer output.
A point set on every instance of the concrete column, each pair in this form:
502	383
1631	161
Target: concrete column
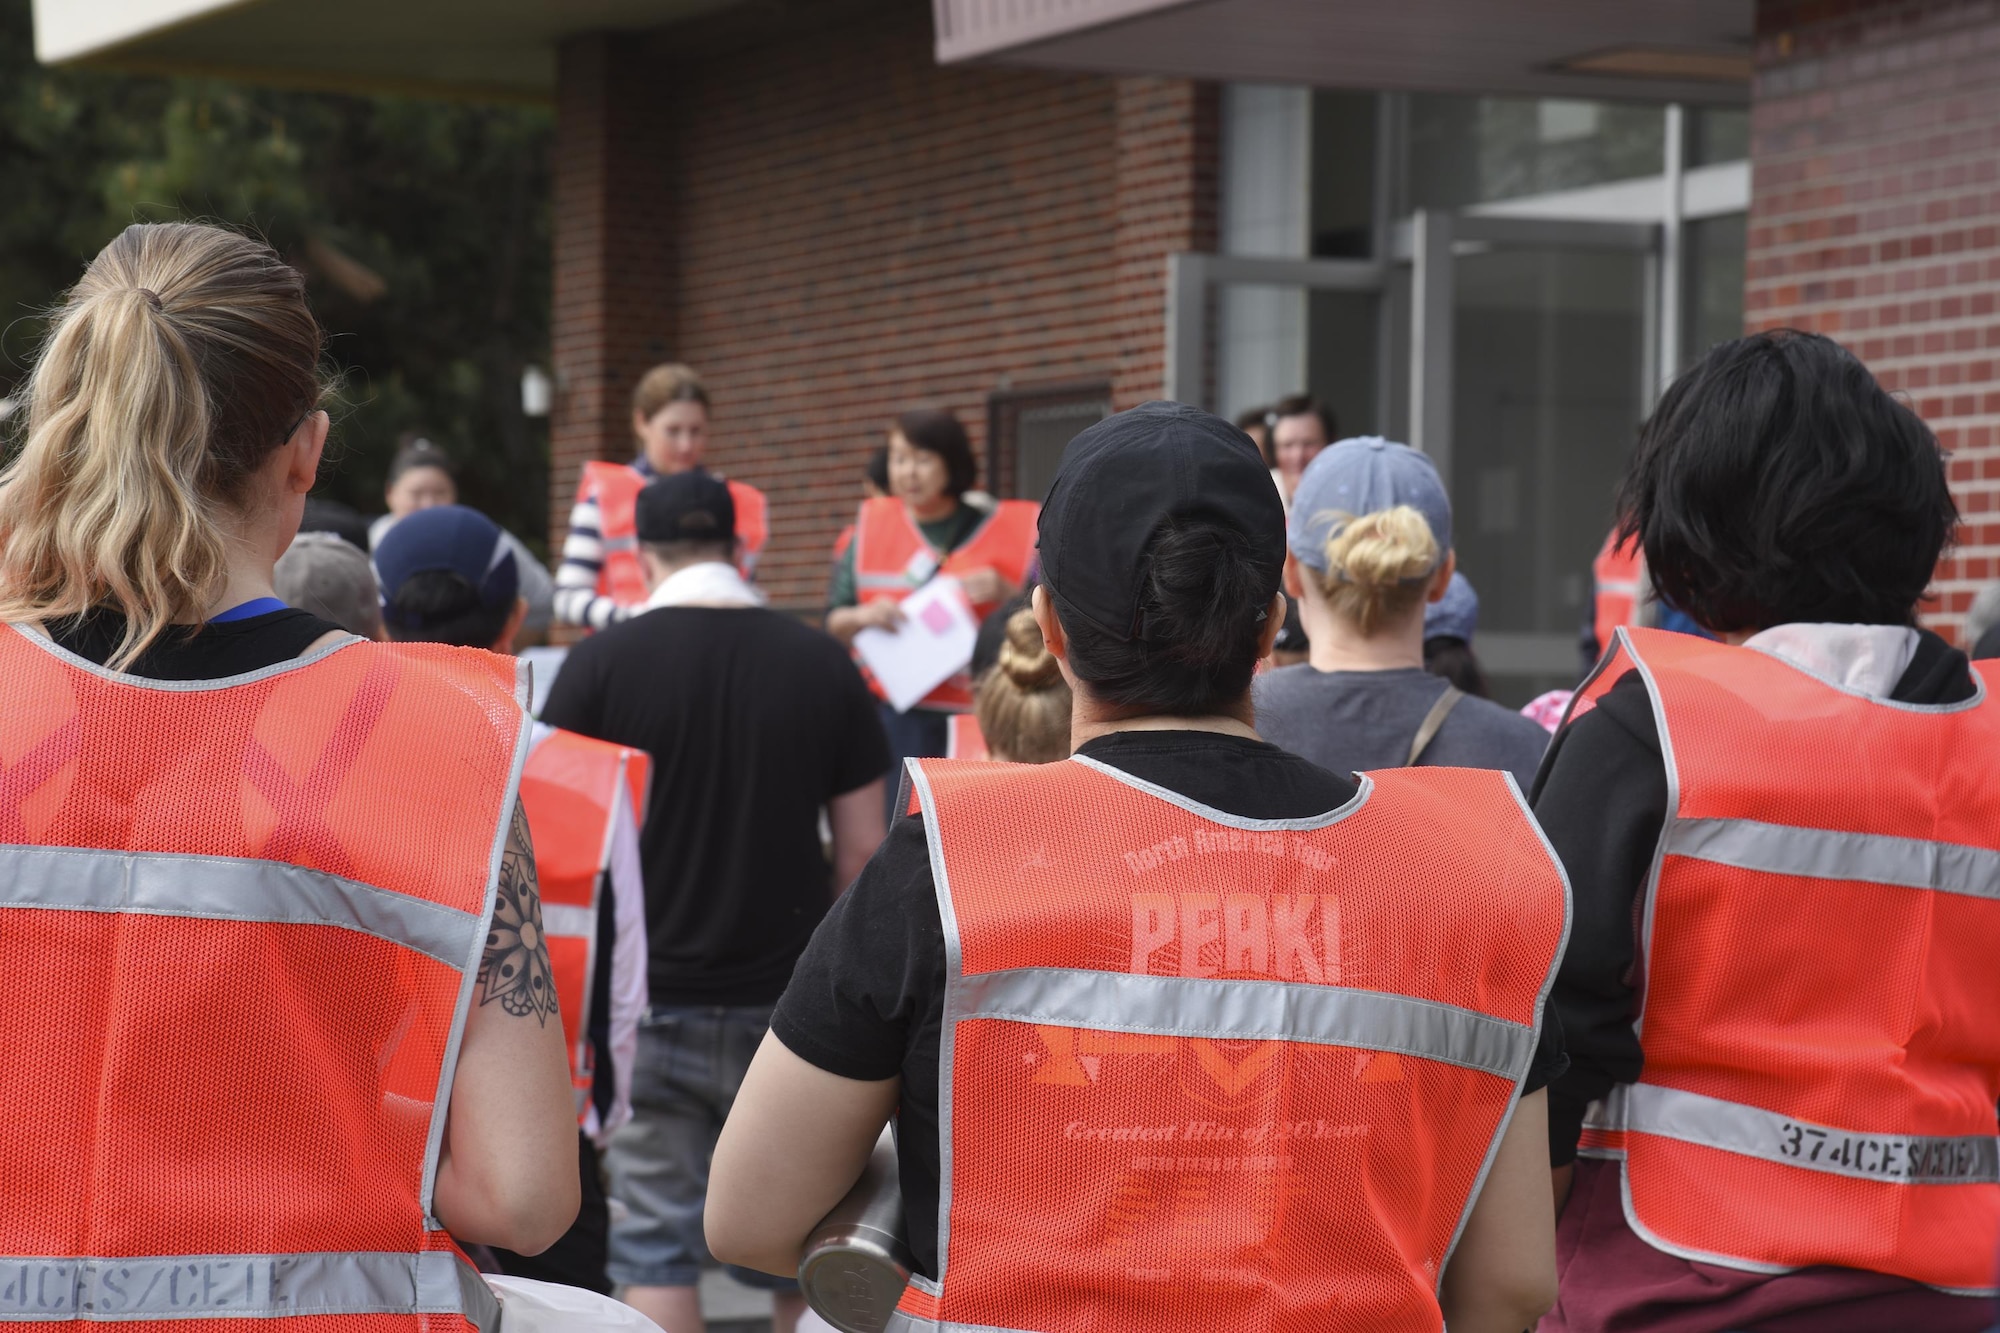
1165	201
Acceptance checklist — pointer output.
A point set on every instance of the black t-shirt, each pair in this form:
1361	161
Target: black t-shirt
205	652
1601	797
754	722
867	999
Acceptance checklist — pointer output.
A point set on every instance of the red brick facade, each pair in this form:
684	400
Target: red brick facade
831	228
1875	219
612	311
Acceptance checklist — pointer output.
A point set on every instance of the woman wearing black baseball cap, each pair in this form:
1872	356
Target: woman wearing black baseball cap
1185	1032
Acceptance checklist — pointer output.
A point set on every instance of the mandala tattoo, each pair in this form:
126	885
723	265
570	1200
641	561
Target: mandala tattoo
515	967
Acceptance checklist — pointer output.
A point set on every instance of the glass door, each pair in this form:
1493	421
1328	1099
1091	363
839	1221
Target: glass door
1529	365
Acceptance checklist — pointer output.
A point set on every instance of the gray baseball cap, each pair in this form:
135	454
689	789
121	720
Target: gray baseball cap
1358	476
324	574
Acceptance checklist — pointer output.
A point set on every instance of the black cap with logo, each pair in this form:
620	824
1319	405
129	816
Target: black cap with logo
692	506
1121	478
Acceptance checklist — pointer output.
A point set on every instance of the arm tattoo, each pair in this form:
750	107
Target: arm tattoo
515	967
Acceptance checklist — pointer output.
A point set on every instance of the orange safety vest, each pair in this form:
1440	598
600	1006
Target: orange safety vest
243	922
963	739
1819	993
892	560
1619	573
1201	1072
616	486
569	790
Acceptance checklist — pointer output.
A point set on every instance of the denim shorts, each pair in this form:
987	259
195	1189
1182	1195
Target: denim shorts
690	1063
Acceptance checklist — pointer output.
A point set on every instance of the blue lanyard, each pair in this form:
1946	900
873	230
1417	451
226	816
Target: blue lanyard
256	606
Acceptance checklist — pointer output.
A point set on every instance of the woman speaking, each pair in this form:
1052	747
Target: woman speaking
923	529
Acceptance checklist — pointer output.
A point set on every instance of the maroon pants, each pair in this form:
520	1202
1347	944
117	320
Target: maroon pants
1614	1282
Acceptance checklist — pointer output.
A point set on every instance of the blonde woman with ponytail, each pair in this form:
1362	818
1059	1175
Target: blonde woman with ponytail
1371	529
1022	701
284	908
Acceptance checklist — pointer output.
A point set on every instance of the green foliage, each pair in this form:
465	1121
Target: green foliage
422	227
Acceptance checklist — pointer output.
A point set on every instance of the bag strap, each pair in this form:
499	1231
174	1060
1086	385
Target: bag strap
1427	730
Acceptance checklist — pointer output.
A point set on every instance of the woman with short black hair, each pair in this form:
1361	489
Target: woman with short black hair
923	529
1084	984
1782	848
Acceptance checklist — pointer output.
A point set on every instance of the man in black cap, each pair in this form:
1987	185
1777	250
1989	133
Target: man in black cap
1083	987
756	723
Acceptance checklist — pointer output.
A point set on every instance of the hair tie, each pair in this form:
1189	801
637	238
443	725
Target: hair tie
152	297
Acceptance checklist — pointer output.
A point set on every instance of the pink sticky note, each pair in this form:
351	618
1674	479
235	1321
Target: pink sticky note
937	619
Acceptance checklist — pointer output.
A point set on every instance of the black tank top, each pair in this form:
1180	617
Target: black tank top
206	652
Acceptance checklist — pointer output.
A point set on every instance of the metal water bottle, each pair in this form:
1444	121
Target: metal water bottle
857	1260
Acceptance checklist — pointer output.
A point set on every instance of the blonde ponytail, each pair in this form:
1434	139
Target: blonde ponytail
183	358
1378	565
1023	703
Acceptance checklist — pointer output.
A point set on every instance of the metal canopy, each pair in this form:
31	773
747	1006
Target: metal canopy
1479	46
487	48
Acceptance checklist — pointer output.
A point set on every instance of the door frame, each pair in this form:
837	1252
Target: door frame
1428	243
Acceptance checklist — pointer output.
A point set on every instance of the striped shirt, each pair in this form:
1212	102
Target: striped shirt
577	601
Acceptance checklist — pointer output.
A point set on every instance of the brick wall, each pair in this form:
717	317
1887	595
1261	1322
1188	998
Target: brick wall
612	312
847	230
1875	219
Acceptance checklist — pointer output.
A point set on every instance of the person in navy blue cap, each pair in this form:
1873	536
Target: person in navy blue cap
1371	530
1449	624
447	575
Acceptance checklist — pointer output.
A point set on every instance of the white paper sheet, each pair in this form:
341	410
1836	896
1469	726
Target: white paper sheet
934	643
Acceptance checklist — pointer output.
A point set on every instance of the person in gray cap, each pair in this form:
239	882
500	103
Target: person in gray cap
1084	986
331	578
1371	530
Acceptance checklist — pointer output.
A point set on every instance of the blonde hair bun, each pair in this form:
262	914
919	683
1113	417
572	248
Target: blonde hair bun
1024	658
1386	547
1376	566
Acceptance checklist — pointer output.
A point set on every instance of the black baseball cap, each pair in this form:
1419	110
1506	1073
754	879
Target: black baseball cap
692	506
1123	477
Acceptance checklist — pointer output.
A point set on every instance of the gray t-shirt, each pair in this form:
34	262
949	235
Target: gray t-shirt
1352	721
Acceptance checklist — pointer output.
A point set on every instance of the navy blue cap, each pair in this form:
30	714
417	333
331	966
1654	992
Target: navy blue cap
453	539
1123	477
1454	615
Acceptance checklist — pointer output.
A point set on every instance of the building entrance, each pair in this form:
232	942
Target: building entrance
1448	297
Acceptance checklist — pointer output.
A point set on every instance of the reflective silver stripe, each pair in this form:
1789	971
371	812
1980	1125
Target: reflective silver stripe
617	545
230	889
1310	823
503	827
1237	1010
1751	1131
903	1322
1874	858
45	644
253	1286
954	998
881	581
571	919
1625	587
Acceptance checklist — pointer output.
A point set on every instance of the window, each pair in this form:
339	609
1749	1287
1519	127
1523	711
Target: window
1028	429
